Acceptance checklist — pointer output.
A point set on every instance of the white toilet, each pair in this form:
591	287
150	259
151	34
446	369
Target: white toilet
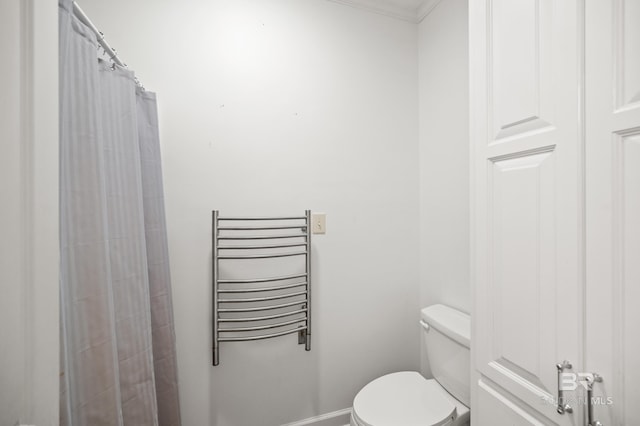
407	398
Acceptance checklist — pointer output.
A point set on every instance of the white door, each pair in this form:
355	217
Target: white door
527	159
613	208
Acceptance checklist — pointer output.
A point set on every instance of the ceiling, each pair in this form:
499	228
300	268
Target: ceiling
408	10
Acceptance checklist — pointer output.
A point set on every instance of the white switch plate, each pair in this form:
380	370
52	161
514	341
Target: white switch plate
319	223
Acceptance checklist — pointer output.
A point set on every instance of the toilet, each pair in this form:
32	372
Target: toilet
406	398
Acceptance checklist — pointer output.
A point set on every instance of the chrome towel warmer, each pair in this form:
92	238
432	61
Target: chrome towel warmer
288	297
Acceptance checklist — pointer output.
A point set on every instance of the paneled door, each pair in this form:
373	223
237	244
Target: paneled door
527	159
613	208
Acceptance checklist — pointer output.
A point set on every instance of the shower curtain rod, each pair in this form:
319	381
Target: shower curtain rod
111	52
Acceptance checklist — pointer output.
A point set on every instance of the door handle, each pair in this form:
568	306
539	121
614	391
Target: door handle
591	380
562	407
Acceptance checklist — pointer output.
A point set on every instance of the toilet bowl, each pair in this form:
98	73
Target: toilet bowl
407	398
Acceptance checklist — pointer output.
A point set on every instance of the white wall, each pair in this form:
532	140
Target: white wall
444	156
271	107
29	369
11	309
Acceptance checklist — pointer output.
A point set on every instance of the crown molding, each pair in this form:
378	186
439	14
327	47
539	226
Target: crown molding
393	10
383	7
426	8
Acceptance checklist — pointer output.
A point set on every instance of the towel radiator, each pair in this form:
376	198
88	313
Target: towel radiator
246	309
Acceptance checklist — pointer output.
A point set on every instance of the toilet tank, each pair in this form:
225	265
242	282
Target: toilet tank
447	339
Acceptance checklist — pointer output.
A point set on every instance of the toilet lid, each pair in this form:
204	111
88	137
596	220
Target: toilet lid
403	399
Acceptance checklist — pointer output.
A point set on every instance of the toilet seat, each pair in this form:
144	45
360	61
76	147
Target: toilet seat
403	399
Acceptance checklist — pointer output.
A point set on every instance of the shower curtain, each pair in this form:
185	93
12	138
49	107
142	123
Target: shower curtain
118	356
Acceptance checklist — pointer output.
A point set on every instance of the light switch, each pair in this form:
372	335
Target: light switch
319	223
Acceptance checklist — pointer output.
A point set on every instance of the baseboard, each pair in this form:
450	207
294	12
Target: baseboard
336	418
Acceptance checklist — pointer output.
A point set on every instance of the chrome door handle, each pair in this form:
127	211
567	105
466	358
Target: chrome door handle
562	407
591	379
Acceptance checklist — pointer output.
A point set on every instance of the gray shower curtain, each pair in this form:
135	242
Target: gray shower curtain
118	357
